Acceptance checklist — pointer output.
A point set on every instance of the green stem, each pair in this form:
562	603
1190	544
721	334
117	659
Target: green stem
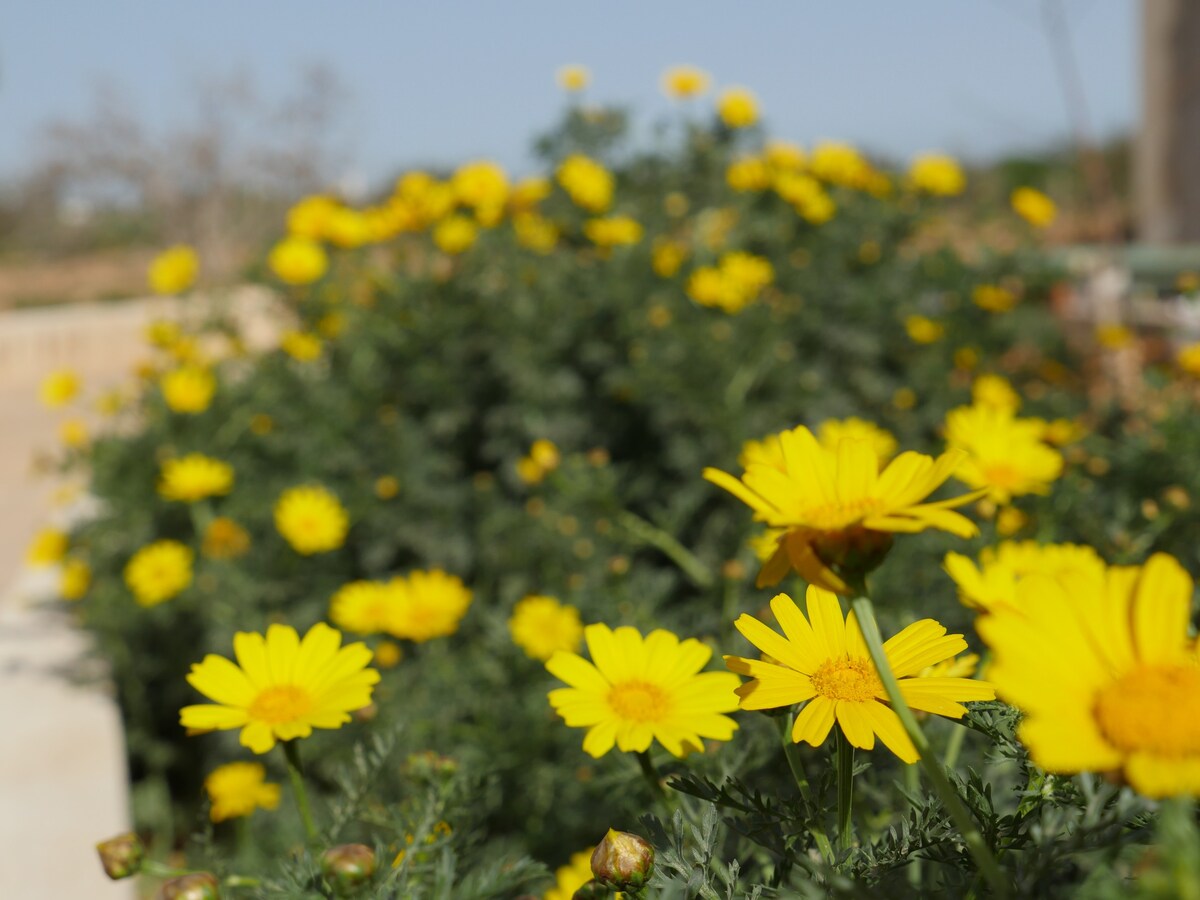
912	786
675	551
156	869
652	777
791	752
954	745
292	754
864	611
845	789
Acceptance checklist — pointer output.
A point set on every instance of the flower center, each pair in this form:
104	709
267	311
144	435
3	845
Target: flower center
1154	708
1002	475
848	678
832	516
281	703
639	701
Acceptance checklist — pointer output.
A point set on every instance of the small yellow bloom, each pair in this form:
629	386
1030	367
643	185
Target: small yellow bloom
613	231
1005	455
832	432
302	346
529	471
347	228
535	232
737	280
58	388
428	605
48	547
667	256
331	324
1113	336
309	218
904	398
224	539
1188	359
159	571
923	330
480	185
364	607
995	392
545	454
571	877
573	78
684	82
542	625
387	487
937	174
174	270
1010	520
311	519
737	107
455	234
748	174
75	580
840	164
1033	206
238	789
992	583
993	298
587	183
785	156
966	358
73	433
194	477
188	389
388	654
1061	432
298	260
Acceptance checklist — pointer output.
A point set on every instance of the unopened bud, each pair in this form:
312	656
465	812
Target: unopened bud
121	856
197	886
592	890
348	866
623	861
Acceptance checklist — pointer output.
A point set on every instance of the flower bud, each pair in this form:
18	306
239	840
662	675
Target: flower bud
348	866
121	856
197	886
623	861
592	890
852	552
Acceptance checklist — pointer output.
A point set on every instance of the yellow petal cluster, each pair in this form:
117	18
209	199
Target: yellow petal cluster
159	571
311	519
587	183
237	789
542	625
992	582
737	107
298	260
174	270
58	388
734	283
1005	455
937	174
188	389
1033	206
684	82
194	477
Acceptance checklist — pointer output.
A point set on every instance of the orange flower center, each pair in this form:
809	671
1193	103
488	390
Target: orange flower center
848	678
281	703
639	701
1002	475
1154	708
833	516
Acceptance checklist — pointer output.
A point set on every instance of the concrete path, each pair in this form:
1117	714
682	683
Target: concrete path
63	784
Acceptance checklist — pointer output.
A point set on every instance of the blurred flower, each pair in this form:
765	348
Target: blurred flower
188	389
571	877
1189	359
639	689
311	519
995	392
937	174
48	547
174	270
737	107
481	185
667	256
75	580
194	477
1010	520
298	260
58	388
784	156
962	666
832	432
428	605
364	607
1061	432
388	654
613	231
542	625
824	660
684	82
224	539
838	510
302	346
993	582
282	687
993	298
159	571
923	330
73	433
387	487
573	78
748	174
535	232
737	281
347	228
904	398
455	234
1113	336
1005	455
840	164
1033	206
237	789
309	218
587	183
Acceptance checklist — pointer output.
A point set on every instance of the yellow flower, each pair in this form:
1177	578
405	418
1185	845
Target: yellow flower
832	432
309	218
428	605
188	389
571	877
966	358
535	232
573	78
904	398
529	471
302	346
639	689
387	487
1113	336
737	107
75	580
298	260
587	183
48	547
545	453
528	193
613	231
822	661
837	505
995	392
542	625
159	571
58	388
667	256
364	607
388	654
748	174
1005	455
1010	520
784	156
174	270
955	667
993	582
937	174
194	477
73	433
923	330
455	234
347	228
684	82
282	687
1188	359
1105	673
237	789
993	298
224	539
311	519
840	164
737	281
1033	206
480	185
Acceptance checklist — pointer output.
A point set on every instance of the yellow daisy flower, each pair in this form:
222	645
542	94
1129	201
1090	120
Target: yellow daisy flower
832	432
993	298
614	231
924	330
993	582
1188	359
640	689
455	234
309	216
159	571
996	392
937	174
573	78
58	388
237	789
311	519
587	183
75	580
302	346
1005	455
47	547
571	877
1105	673
174	270
542	625
188	389
281	687
836	507
822	661
224	539
364	607
1033	206
194	477
737	107
428	605
684	82
298	260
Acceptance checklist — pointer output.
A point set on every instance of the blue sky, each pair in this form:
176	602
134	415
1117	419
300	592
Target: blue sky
453	80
